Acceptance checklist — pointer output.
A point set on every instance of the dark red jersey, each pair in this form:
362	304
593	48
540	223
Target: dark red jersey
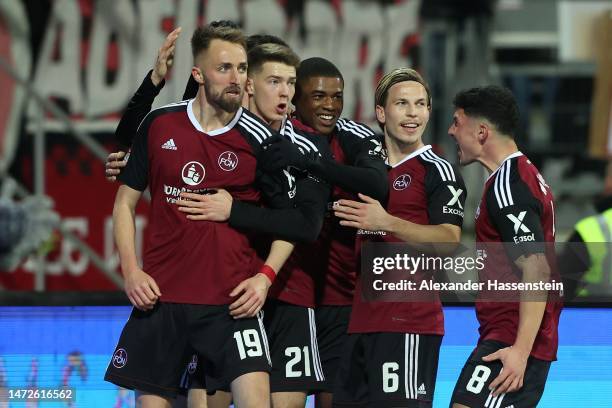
353	144
425	189
199	261
517	208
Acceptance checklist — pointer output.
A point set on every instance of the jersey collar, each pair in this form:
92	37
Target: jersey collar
215	132
408	157
283	128
510	157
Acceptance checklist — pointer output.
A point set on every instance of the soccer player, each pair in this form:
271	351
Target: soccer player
391	356
518	340
270	87
182	297
358	166
288	315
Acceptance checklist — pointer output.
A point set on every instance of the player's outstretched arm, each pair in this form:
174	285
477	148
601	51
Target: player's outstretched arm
165	57
367	175
535	269
141	102
140	288
302	223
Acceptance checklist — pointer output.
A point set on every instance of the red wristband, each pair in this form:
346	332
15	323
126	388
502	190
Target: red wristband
269	272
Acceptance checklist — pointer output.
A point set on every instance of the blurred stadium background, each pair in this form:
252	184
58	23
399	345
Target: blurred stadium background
69	67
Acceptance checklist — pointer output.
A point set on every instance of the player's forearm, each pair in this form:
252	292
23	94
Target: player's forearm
279	253
124	232
371	181
302	223
533	303
138	107
424	234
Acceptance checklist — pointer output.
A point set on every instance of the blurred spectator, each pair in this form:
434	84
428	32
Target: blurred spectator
586	261
26	225
456	52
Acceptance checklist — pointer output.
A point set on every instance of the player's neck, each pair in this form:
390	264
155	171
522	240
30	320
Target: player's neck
397	151
276	124
208	116
496	151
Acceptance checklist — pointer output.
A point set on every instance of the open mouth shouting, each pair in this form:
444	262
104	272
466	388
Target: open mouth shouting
281	108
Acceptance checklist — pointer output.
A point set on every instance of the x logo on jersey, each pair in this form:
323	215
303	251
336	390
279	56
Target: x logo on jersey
518	222
455	199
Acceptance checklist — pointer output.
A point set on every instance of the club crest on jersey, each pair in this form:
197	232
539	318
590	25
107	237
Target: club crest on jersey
193	364
228	161
193	173
120	358
402	182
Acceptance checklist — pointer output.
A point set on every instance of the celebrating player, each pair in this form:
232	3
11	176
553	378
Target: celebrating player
518	340
391	356
181	146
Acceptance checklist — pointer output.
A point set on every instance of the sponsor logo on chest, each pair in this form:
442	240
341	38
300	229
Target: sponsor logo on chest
193	173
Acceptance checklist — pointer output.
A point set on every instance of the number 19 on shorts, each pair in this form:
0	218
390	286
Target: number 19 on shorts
248	343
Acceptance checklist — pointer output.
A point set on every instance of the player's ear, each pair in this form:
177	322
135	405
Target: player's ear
196	73
249	87
483	133
380	114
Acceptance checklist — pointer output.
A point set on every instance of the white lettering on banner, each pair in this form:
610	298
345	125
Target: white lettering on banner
69	261
384	30
137	28
115	17
60	78
186	16
13	25
145	43
72	262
